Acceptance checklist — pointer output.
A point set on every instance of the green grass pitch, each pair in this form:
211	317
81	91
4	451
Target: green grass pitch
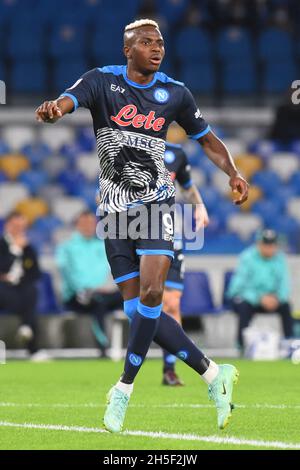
60	404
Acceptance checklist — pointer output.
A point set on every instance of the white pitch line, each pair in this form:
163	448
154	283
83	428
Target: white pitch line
164	405
158	435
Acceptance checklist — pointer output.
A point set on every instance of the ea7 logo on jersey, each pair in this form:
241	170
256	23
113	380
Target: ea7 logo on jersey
118	88
128	116
198	114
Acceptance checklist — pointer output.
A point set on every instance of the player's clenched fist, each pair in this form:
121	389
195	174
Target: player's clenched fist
48	112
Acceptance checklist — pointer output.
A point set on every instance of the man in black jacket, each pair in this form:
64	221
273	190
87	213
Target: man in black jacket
19	271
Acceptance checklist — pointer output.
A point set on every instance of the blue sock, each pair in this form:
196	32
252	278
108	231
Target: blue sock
169	361
142	330
170	336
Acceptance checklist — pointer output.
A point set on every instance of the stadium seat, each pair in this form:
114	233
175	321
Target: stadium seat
67	41
4	147
198	177
294	182
264	148
13	165
289	228
221	182
211	197
71	180
284	164
3	177
199	77
283	194
194	36
66	72
248	164
88	192
234	44
10	195
293	208
223	210
278	75
32	208
51	191
34	180
67	208
47	302
62	234
47	224
244	224
26	41
56	136
28	76
223	244
275	44
17	136
235	145
88	165
85	139
171	11
54	166
239	77
267	180
104	51
36	152
267	209
207	166
197	296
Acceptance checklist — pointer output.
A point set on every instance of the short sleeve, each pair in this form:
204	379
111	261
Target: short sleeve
190	117
183	175
84	92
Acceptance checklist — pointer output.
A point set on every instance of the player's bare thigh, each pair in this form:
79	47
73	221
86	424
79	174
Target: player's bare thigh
149	286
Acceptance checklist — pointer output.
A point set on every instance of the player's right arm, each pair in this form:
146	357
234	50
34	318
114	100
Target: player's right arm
52	111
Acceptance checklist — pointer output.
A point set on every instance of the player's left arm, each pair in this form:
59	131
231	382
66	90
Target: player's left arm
218	153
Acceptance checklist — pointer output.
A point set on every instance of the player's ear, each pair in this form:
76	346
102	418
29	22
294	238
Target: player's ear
126	50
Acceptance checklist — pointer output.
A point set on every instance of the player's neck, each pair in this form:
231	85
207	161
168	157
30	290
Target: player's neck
138	77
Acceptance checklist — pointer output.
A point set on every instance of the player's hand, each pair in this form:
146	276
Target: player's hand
201	217
48	112
239	185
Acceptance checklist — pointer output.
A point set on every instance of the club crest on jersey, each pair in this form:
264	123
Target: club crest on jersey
128	116
161	95
169	156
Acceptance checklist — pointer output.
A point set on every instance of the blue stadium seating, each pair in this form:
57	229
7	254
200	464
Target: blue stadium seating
26	41
47	302
294	183
172	11
88	192
194	44
239	77
67	72
71	180
106	52
224	243
86	139
28	76
34	180
68	42
278	75
267	180
211	197
47	224
275	45
197	296
267	209
36	152
200	77
3	177
234	44
283	194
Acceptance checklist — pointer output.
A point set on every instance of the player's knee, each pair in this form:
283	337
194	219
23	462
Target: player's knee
151	295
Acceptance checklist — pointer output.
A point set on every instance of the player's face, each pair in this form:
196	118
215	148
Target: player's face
147	50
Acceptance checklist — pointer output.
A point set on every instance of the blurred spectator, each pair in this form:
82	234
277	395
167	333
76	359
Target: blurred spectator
84	270
19	271
261	283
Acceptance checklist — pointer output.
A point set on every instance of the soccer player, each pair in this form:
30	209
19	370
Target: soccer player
132	107
177	163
